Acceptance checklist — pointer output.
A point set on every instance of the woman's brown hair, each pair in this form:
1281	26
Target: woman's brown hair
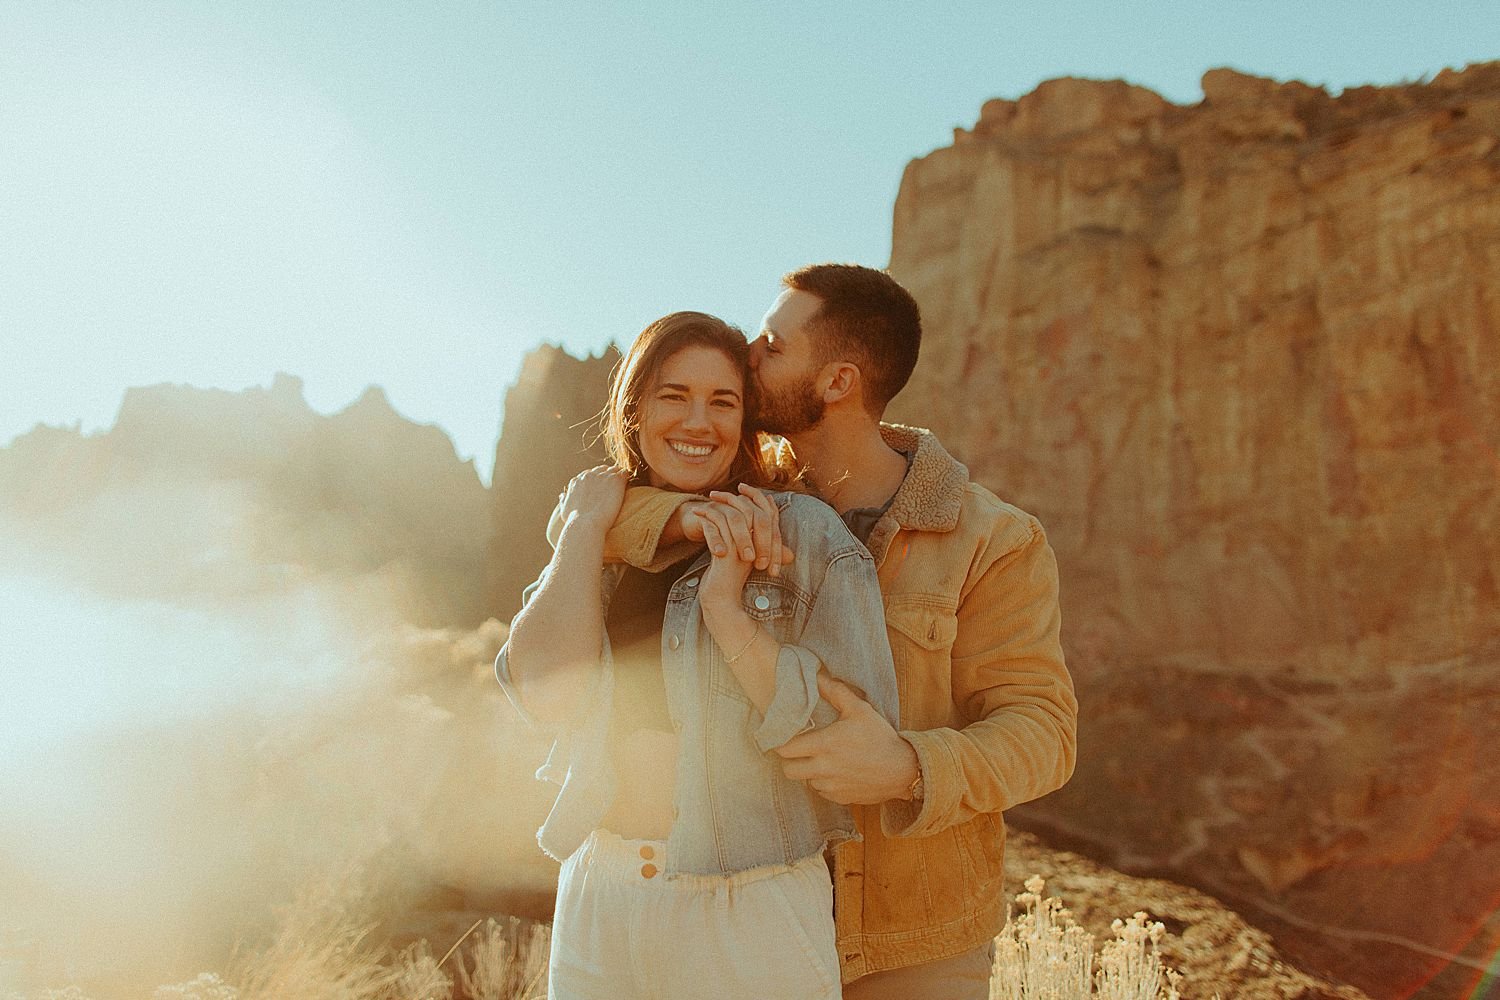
633	377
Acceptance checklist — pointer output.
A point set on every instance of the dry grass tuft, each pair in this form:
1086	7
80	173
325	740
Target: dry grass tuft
509	962
420	976
320	952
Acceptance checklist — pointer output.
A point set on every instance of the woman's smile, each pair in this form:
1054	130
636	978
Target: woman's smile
690	421
690	450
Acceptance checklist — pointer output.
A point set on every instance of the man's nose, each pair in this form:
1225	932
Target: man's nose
757	346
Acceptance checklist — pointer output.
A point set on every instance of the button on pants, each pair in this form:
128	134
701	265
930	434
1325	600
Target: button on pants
624	931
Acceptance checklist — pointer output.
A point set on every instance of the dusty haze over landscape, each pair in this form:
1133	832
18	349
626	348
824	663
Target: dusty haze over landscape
341	717
1240	358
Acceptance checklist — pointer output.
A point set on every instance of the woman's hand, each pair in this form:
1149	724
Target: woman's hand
593	497
756	532
719	593
719	599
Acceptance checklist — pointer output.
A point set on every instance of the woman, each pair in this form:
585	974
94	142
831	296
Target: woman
691	865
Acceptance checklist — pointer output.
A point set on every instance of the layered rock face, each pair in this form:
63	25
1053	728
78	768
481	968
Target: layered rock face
549	435
1243	359
208	494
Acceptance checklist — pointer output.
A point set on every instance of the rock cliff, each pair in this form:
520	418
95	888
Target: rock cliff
210	494
1243	359
549	435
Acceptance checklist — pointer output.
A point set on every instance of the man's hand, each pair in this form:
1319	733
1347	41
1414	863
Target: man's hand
751	523
686	525
858	760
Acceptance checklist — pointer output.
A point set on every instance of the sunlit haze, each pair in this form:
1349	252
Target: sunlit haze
226	672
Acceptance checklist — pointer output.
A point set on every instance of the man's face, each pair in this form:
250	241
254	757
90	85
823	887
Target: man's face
784	361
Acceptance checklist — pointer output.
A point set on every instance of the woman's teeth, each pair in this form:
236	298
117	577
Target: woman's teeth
692	450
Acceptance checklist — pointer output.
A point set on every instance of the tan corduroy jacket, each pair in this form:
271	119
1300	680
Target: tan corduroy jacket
971	607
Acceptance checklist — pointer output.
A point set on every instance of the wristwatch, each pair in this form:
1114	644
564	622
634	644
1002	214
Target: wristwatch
916	788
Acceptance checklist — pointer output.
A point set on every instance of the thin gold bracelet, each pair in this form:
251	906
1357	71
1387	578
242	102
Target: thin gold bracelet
746	647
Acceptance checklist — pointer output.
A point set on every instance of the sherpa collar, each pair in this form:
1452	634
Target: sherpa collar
932	493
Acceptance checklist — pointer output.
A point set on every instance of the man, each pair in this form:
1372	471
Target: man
970	587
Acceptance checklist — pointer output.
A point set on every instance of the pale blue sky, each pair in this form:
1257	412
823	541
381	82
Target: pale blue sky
414	194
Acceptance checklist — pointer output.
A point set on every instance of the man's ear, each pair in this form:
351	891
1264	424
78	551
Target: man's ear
843	383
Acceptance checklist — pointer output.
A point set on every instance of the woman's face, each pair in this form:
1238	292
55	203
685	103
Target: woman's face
690	419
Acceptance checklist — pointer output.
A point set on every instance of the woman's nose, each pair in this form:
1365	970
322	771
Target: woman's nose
697	416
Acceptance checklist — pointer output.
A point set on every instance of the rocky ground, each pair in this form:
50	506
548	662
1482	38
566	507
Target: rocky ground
1216	951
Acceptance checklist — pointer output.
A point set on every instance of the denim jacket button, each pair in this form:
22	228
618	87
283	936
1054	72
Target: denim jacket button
675	642
693	582
762	602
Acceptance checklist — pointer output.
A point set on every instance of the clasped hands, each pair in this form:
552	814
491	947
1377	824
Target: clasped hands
748	523
859	759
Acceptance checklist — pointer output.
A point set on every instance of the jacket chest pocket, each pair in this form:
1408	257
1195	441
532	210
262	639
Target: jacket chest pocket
922	634
928	624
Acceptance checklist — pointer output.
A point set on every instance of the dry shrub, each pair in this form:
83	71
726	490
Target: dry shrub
509	962
1129	966
1044	955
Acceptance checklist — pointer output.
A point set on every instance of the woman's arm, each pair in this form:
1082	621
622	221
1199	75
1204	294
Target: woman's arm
552	653
844	635
749	650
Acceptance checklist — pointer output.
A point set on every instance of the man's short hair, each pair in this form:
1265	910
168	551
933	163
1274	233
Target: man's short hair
866	318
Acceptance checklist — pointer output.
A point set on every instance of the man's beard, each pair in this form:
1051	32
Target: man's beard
792	410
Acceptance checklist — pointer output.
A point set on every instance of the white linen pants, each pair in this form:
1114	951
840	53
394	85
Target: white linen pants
623	931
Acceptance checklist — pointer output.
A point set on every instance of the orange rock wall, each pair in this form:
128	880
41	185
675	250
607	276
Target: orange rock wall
1243	359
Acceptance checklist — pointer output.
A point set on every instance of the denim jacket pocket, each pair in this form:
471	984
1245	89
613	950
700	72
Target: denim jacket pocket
767	600
770	604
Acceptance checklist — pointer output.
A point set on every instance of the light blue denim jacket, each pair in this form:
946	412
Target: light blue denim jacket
733	808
